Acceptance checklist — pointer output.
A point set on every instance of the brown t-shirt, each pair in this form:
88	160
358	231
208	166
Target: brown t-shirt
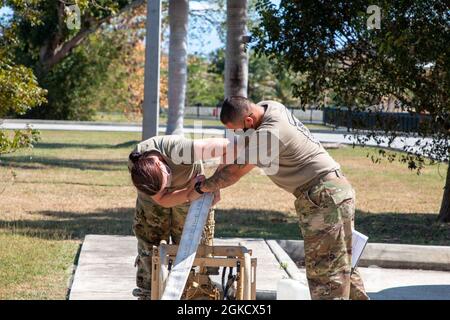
294	156
178	153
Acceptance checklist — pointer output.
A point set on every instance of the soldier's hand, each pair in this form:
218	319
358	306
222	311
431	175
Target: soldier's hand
196	179
193	195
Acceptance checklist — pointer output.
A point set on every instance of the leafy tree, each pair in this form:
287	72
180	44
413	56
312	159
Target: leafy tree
19	92
330	44
98	57
73	83
204	87
69	60
265	79
44	31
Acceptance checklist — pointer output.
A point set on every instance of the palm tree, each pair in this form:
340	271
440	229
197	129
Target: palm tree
236	61
178	24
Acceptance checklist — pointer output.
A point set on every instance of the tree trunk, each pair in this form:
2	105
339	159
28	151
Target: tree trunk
236	59
444	213
178	22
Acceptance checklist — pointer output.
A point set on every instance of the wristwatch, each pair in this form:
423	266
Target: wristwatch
198	186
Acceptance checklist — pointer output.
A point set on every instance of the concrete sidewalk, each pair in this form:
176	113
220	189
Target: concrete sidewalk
394	256
106	270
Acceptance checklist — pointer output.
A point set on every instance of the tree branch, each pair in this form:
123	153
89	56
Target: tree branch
53	52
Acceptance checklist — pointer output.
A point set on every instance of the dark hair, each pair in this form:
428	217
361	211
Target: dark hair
234	108
145	173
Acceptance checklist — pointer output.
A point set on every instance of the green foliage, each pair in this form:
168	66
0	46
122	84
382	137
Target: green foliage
19	140
266	80
204	87
19	90
74	84
330	46
70	64
329	43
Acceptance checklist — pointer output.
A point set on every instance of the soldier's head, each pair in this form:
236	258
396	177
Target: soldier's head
240	113
149	172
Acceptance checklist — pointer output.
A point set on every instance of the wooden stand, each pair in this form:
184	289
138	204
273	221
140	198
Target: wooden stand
208	256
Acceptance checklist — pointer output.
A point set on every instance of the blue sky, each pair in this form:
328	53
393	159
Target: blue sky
4	10
211	40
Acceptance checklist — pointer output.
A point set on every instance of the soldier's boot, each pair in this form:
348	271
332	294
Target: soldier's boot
357	290
142	294
143	275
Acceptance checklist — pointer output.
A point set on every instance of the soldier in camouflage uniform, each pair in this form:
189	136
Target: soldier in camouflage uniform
165	183
326	214
153	223
298	163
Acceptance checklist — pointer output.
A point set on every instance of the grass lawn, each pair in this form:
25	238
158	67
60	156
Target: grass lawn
76	183
120	117
188	121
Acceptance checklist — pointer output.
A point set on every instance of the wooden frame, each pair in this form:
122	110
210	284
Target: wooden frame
208	256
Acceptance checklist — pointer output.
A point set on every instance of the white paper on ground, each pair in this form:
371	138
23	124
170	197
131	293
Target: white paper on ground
359	242
291	289
187	250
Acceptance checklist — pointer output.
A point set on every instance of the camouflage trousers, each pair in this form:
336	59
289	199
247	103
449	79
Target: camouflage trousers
326	218
153	223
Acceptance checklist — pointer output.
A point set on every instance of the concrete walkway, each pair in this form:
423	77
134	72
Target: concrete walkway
106	268
106	271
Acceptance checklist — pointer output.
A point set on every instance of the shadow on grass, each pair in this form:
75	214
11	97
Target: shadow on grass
75	183
23	162
404	228
56	145
36	162
407	228
248	223
73	225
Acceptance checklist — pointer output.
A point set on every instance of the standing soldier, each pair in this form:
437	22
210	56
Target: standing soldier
164	170
325	200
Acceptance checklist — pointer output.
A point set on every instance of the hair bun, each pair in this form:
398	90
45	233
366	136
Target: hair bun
134	156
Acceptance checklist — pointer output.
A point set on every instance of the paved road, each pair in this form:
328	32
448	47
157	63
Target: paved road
333	136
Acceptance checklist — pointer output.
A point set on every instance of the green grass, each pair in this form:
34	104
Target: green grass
119	117
34	268
77	183
392	227
188	121
115	117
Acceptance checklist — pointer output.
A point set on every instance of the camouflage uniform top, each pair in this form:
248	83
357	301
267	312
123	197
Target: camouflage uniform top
178	153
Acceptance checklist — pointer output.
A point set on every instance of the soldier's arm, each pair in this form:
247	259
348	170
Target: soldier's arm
210	148
178	197
225	176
